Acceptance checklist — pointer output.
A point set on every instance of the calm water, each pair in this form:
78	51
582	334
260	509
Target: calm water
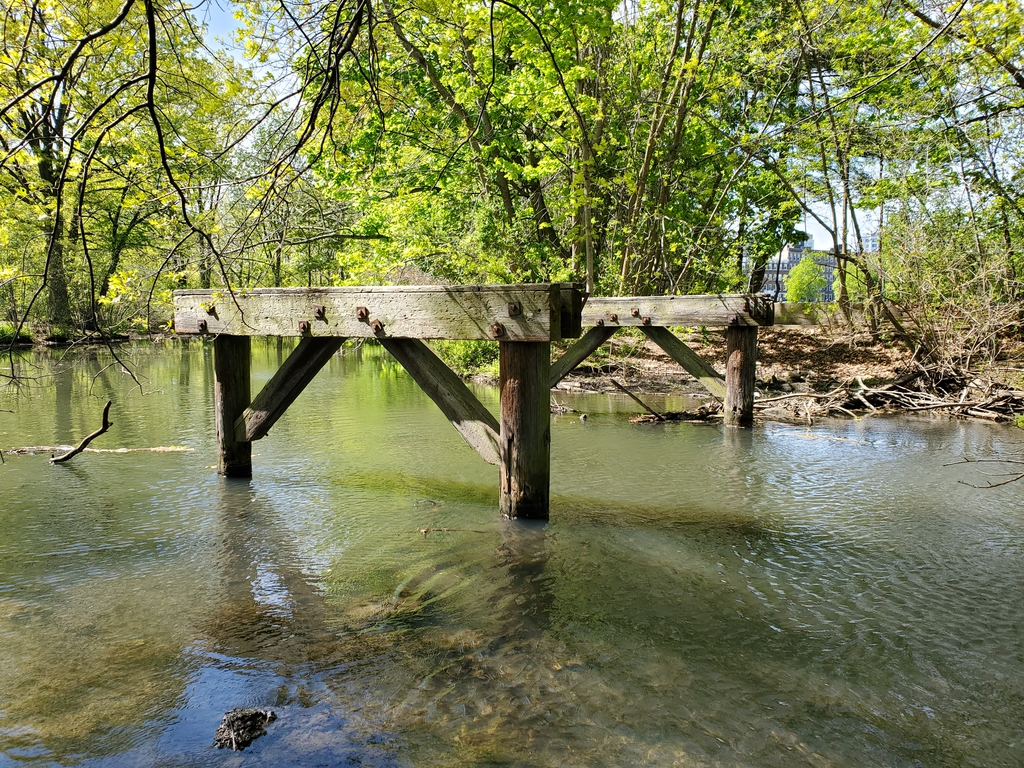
786	596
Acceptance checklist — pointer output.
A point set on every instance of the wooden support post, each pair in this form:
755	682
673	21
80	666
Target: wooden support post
291	378
524	474
231	392
467	414
740	362
690	360
580	351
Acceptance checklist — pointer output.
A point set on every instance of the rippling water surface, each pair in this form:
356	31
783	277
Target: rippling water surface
826	595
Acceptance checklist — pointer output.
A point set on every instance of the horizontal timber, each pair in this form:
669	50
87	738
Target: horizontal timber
534	312
712	310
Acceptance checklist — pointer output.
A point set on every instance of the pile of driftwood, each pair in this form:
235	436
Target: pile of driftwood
955	393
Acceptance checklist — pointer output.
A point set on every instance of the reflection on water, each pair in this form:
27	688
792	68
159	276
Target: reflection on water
825	596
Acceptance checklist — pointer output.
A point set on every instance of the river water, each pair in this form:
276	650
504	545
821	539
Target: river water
822	595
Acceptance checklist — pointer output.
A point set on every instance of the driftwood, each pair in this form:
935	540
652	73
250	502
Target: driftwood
703	415
957	393
32	450
88	439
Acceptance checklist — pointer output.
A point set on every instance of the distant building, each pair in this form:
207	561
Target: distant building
778	269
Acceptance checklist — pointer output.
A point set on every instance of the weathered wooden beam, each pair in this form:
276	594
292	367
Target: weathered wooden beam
291	378
231	392
580	351
524	475
740	363
693	363
542	312
714	310
467	414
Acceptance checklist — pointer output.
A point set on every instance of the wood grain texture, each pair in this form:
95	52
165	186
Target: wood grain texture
580	351
467	414
524	312
693	363
287	383
740	364
713	310
524	475
231	393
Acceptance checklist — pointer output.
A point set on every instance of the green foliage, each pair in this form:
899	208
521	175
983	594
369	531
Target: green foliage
468	357
805	281
9	334
651	147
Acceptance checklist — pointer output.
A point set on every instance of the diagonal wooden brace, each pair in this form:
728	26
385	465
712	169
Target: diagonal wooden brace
580	351
686	357
298	370
467	414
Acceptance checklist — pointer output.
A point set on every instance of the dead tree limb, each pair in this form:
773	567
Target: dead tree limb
643	405
88	439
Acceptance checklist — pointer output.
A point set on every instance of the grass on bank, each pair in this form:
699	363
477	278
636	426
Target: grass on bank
9	330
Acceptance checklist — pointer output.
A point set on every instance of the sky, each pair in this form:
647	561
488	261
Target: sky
220	20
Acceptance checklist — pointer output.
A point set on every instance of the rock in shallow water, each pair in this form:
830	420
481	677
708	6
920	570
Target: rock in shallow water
240	727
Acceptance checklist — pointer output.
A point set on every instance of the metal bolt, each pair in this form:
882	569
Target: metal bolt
613	317
515	309
377	326
303	326
647	321
203	326
362	314
635	312
599	321
319	313
497	330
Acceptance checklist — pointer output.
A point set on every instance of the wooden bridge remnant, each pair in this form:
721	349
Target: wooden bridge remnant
522	319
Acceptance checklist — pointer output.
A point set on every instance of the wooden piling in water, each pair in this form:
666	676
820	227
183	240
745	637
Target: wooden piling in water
740	362
524	473
231	394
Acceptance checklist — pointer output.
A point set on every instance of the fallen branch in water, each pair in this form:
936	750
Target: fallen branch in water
1013	476
88	439
643	405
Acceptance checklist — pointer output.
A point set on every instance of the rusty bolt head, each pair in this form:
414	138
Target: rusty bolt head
303	326
635	312
646	321
613	317
377	326
515	309
203	327
362	314
599	321
319	313
497	330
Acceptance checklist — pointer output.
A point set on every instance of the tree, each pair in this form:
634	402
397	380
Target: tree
805	281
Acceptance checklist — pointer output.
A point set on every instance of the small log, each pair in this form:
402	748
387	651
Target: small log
231	393
524	474
580	351
467	414
740	363
88	439
693	363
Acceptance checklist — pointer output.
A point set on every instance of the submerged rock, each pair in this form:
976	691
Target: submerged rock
240	727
